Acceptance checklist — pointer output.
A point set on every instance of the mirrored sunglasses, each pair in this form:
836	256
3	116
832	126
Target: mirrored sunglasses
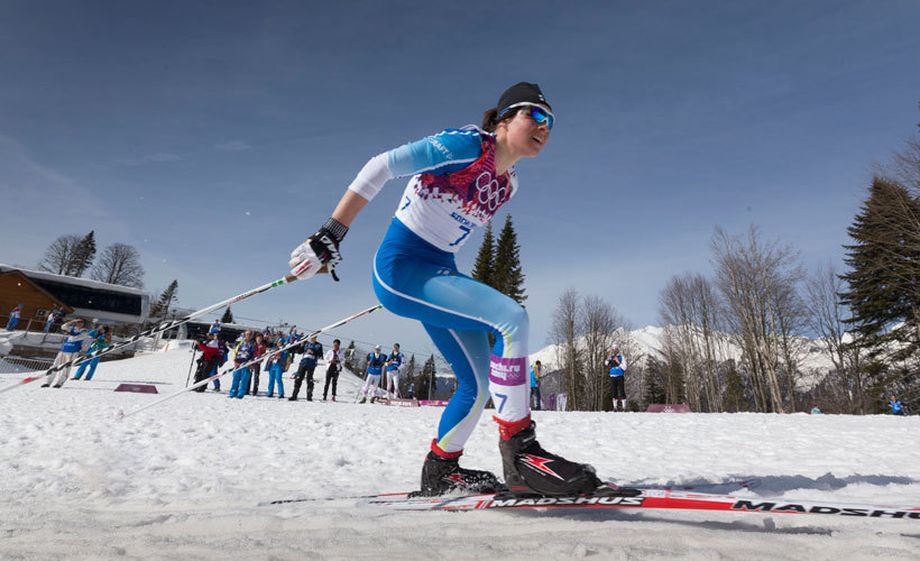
535	112
541	116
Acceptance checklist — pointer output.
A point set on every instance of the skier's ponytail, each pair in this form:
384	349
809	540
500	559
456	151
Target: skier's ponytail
488	120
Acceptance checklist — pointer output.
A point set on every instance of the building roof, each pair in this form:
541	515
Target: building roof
89	283
24	277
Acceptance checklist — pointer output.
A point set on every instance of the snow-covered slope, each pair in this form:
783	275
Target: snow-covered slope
182	480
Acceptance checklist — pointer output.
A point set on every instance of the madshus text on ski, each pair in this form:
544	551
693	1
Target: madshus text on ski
645	498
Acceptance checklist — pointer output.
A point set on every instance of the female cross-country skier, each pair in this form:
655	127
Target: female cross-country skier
460	178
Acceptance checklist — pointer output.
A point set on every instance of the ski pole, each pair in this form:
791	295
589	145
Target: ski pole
189	375
165	326
122	415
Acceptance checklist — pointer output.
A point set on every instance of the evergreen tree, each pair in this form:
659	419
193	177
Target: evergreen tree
654	379
433	370
409	370
508	274
169	297
407	376
884	275
426	381
227	317
485	259
733	399
83	255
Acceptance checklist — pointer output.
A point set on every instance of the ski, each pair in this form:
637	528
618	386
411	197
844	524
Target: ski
701	486
649	498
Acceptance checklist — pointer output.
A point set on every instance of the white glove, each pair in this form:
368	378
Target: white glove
318	251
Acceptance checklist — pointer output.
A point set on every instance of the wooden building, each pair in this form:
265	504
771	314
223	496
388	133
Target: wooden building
18	289
39	291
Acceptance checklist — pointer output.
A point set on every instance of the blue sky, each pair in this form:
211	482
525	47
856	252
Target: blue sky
215	136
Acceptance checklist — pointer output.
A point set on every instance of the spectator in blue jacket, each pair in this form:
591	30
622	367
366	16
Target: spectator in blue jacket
70	349
244	354
276	362
375	363
536	372
616	362
102	340
14	317
312	352
897	408
394	369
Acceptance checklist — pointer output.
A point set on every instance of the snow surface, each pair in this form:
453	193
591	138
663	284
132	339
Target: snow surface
183	480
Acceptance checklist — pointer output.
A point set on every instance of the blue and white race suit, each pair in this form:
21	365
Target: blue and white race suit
454	189
394	367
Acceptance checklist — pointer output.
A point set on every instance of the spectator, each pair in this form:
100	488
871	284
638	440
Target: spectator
292	337
394	368
224	355
14	317
275	371
52	317
897	408
258	349
244	353
313	350
536	372
815	410
215	328
616	362
70	349
334	358
211	355
375	362
102	340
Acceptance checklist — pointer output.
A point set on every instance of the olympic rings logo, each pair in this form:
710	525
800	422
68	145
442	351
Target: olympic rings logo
489	192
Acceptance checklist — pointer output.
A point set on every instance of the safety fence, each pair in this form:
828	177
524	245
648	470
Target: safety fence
15	364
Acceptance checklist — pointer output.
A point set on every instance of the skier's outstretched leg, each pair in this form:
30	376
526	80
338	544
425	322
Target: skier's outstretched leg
467	352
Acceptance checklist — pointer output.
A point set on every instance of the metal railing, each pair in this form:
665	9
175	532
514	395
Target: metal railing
16	364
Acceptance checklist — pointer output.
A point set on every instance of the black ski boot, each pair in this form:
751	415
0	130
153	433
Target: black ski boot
532	471
442	475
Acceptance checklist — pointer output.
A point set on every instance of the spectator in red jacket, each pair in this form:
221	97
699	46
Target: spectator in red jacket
210	357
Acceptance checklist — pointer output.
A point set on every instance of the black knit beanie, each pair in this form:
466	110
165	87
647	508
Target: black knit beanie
522	92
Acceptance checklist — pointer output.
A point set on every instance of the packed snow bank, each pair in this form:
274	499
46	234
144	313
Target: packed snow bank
182	480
